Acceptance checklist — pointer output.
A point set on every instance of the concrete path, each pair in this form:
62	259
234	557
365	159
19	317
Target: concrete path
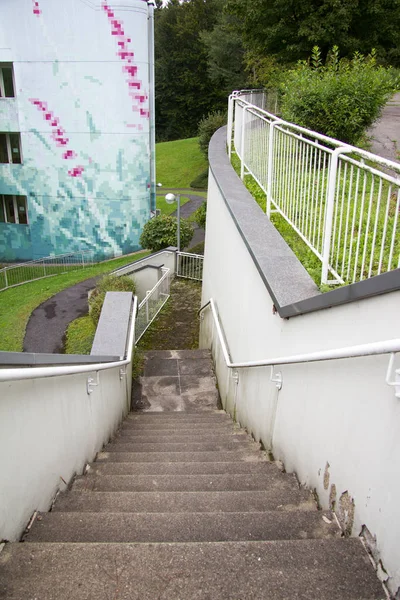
385	133
49	321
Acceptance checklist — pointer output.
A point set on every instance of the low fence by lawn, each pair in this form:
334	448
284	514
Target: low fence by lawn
44	267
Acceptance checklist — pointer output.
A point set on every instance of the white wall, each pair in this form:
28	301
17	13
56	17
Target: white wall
49	429
338	412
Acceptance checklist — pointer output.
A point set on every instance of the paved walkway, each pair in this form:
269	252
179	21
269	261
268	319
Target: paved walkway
48	322
385	133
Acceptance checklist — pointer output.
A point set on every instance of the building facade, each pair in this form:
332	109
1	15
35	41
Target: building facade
75	135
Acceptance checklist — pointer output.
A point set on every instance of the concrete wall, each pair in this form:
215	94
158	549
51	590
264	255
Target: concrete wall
81	71
336	423
49	429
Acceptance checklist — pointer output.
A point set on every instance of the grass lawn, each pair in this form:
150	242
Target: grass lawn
17	304
179	163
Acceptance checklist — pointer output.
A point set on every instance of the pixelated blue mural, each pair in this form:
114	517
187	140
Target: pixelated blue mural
81	107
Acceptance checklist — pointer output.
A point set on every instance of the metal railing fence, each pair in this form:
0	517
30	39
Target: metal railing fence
342	201
43	267
189	266
152	303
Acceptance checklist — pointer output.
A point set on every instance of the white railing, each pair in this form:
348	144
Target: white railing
342	201
153	302
43	267
391	347
189	266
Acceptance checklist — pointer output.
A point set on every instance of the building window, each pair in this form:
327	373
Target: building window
10	148
13	209
6	82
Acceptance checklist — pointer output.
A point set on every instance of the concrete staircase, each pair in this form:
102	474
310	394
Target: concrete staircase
183	504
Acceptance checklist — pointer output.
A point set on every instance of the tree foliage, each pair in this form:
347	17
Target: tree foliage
184	89
288	30
340	99
161	232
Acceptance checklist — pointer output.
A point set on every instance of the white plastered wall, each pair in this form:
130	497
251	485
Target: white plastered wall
335	424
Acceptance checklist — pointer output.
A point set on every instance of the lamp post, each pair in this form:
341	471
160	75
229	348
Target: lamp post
170	199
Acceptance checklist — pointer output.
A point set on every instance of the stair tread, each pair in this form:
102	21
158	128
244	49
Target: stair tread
333	569
199	501
176	483
180	468
233	446
180	527
161	457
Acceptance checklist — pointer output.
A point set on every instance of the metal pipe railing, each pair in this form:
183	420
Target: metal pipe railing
40	372
386	347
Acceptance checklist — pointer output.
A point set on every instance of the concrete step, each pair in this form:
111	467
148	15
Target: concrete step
176	437
170	367
181	527
332	569
231	446
176	502
180	468
215	416
166	457
179	354
159	428
187	483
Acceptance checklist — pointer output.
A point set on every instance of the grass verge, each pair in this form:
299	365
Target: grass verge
80	335
307	258
17	304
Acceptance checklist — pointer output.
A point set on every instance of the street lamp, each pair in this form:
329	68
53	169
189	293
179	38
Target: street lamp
170	199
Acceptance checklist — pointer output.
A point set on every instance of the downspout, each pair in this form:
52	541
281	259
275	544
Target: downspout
152	128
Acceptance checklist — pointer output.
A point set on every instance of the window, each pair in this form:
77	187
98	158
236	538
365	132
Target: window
6	82
13	209
10	148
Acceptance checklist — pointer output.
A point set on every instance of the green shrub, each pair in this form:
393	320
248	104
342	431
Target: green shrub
200	215
108	283
340	99
201	181
161	231
208	126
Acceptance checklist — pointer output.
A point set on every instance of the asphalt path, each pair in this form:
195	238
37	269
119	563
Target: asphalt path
48	322
385	132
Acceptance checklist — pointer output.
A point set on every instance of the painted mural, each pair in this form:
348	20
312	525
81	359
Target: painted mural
81	107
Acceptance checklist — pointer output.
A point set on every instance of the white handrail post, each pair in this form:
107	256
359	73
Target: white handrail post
242	144
231	104
330	203
270	173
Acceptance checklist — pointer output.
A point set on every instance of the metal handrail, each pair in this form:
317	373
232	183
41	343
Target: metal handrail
370	349
41	372
316	135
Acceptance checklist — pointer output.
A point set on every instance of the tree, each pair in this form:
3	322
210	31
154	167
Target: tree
288	29
225	52
184	90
